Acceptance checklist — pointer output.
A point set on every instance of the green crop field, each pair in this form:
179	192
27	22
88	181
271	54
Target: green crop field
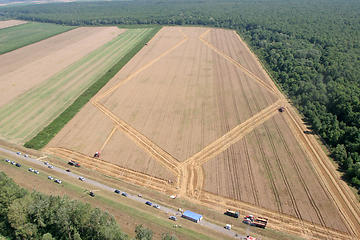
19	36
24	117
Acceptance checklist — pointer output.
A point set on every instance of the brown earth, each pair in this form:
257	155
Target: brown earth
187	100
10	23
28	67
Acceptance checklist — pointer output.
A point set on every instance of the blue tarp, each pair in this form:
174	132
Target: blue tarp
192	216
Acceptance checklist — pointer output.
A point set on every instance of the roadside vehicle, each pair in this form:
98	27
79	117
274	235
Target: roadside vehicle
46	163
81	178
148	203
50	167
173	218
13	163
124	194
156	206
18	153
50	177
31	170
7	160
36	171
26	155
18	165
58	181
117	191
68	170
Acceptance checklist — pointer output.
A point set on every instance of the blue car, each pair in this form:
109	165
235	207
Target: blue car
148	203
124	194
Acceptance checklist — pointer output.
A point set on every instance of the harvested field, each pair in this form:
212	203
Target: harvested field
55	80
194	105
10	23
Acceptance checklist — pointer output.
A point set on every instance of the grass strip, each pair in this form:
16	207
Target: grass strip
50	131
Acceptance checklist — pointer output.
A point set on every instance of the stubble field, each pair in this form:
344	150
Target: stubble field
194	114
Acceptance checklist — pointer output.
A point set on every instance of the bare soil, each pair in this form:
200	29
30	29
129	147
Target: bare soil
11	23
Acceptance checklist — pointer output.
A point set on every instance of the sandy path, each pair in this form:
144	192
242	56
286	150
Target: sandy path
10	23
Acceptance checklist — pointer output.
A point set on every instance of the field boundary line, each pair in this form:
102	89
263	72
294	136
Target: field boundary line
319	167
237	64
293	225
108	139
113	169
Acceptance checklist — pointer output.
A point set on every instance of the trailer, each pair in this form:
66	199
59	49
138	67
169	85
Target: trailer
232	213
256	222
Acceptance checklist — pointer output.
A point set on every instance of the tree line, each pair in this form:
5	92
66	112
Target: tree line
311	49
35	215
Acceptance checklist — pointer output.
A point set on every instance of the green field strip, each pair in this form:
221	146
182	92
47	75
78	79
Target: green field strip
25	34
28	114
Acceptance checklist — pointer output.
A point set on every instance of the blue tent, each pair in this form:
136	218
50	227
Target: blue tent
192	216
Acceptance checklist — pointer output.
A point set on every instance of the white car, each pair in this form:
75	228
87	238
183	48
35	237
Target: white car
7	160
46	163
31	170
156	206
58	181
81	178
36	171
13	163
26	155
173	218
50	177
50	167
18	153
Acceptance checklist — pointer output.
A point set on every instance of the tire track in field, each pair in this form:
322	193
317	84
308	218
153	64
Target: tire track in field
327	178
113	170
298	172
245	70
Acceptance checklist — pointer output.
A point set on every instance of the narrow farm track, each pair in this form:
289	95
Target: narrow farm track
113	170
327	176
278	221
299	175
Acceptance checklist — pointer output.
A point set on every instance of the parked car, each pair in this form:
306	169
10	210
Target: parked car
124	194
18	153
68	170
173	218
92	194
117	191
50	167
36	171
18	165
50	177
46	163
13	163
156	206
81	178
139	195
148	203
26	155
57	181
31	170
7	160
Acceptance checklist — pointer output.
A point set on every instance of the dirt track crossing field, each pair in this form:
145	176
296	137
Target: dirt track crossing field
195	107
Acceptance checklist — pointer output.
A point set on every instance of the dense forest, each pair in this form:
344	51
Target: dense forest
35	215
311	49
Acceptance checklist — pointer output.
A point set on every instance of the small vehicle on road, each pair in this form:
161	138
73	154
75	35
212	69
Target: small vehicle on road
46	163
139	195
156	206
148	203
117	191
51	167
50	177
18	153
18	165
124	194
68	170
26	155
81	178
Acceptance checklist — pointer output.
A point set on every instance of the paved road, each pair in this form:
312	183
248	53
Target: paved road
136	198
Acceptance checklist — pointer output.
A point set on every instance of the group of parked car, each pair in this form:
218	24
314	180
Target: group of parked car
13	163
123	193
